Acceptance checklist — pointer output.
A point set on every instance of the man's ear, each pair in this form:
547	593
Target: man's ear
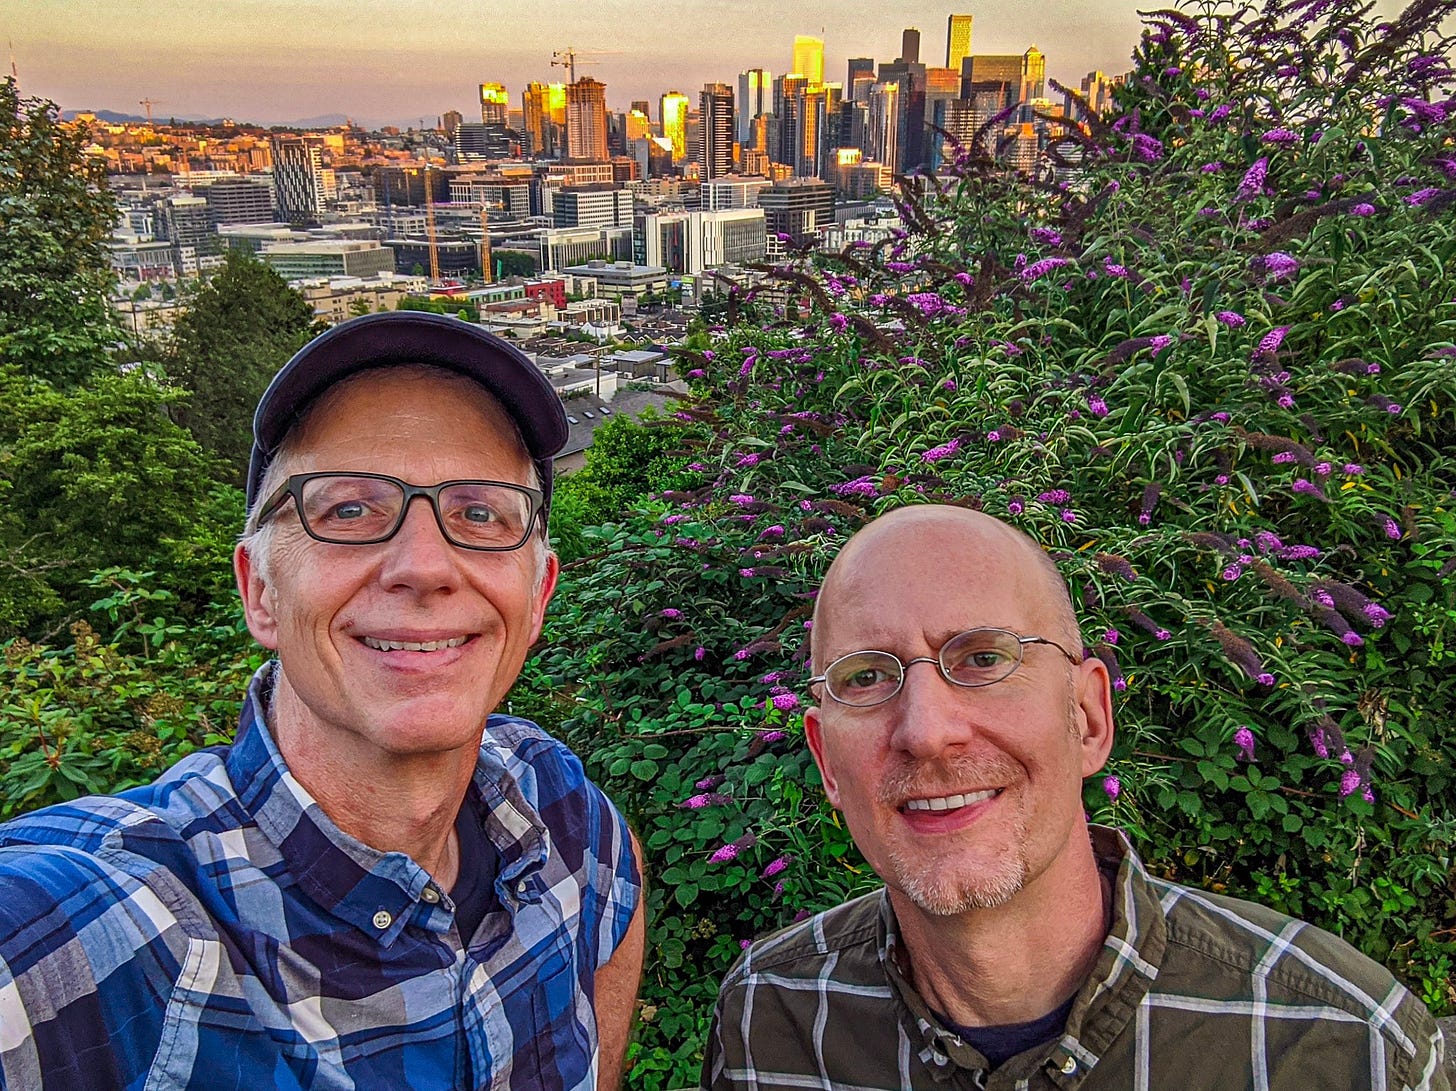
814	733
257	599
544	590
1093	695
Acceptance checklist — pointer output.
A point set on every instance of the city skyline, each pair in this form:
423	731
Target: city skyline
271	62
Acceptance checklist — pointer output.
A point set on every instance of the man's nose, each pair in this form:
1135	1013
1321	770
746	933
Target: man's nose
930	713
419	555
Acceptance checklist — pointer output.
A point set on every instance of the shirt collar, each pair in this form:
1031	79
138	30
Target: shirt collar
377	892
1125	969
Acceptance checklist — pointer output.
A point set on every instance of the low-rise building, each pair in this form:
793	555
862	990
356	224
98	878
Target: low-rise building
619	279
323	258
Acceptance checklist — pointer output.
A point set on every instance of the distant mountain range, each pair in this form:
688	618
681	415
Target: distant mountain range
322	121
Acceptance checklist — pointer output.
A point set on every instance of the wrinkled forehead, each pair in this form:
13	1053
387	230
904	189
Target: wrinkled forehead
355	402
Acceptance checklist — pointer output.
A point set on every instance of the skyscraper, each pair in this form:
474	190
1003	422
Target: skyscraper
495	103
983	71
860	76
882	144
957	40
910	45
755	96
1033	75
543	109
297	178
809	58
1097	90
586	120
716	110
674	113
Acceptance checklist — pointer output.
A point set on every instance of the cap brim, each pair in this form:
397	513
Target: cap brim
410	337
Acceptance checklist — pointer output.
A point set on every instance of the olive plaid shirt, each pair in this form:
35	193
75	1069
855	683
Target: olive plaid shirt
1191	990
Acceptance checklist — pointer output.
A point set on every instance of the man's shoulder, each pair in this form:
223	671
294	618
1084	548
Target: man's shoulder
547	770
1290	960
849	934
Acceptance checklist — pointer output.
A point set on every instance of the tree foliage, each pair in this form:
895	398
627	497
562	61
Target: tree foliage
55	215
90	477
238	328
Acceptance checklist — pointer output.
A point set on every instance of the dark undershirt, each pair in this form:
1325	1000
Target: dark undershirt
1000	1044
474	890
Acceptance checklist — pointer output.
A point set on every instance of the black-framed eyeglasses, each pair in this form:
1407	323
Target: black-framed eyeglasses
976	657
362	509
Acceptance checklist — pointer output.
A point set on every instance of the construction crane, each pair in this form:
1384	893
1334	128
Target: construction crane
567	59
149	103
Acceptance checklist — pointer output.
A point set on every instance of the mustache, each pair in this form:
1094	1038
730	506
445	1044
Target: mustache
919	780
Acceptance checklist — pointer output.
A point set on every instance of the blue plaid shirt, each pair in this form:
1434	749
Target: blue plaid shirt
216	930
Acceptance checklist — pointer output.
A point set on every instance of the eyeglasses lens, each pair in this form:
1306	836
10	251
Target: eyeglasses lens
980	657
343	508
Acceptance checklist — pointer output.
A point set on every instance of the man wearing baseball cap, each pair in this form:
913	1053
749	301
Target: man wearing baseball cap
380	883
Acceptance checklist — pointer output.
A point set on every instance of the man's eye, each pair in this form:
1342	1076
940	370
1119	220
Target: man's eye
985	660
865	677
350	509
478	513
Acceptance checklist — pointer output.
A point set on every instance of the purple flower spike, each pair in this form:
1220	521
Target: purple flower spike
775	866
1252	184
1244	740
1349	781
785	702
1391	528
1113	787
1232	319
724	854
1040	268
1282	137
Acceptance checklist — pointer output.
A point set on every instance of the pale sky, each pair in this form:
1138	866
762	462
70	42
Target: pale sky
397	61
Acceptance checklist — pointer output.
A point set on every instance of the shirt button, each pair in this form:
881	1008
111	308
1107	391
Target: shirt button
430	894
521	888
1069	1066
383	919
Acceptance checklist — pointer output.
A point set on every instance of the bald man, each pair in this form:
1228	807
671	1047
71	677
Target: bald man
1013	945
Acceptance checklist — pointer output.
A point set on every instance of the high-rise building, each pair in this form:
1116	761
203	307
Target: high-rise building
238	201
861	77
982	71
642	106
797	208
716	113
809	58
475	140
1033	75
543	109
674	108
450	121
638	125
586	120
298	179
495	104
910	45
1097	90
882	143
755	97
911	117
957	41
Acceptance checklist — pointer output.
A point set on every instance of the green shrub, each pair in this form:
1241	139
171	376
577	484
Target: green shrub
1210	365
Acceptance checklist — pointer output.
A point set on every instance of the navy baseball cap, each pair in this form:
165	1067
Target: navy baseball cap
411	337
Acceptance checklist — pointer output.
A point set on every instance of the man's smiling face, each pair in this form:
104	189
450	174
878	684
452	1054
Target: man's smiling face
405	646
958	798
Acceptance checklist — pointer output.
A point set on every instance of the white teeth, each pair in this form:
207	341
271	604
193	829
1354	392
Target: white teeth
413	645
950	803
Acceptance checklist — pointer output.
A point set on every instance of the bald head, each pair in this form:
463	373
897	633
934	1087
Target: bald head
930	545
